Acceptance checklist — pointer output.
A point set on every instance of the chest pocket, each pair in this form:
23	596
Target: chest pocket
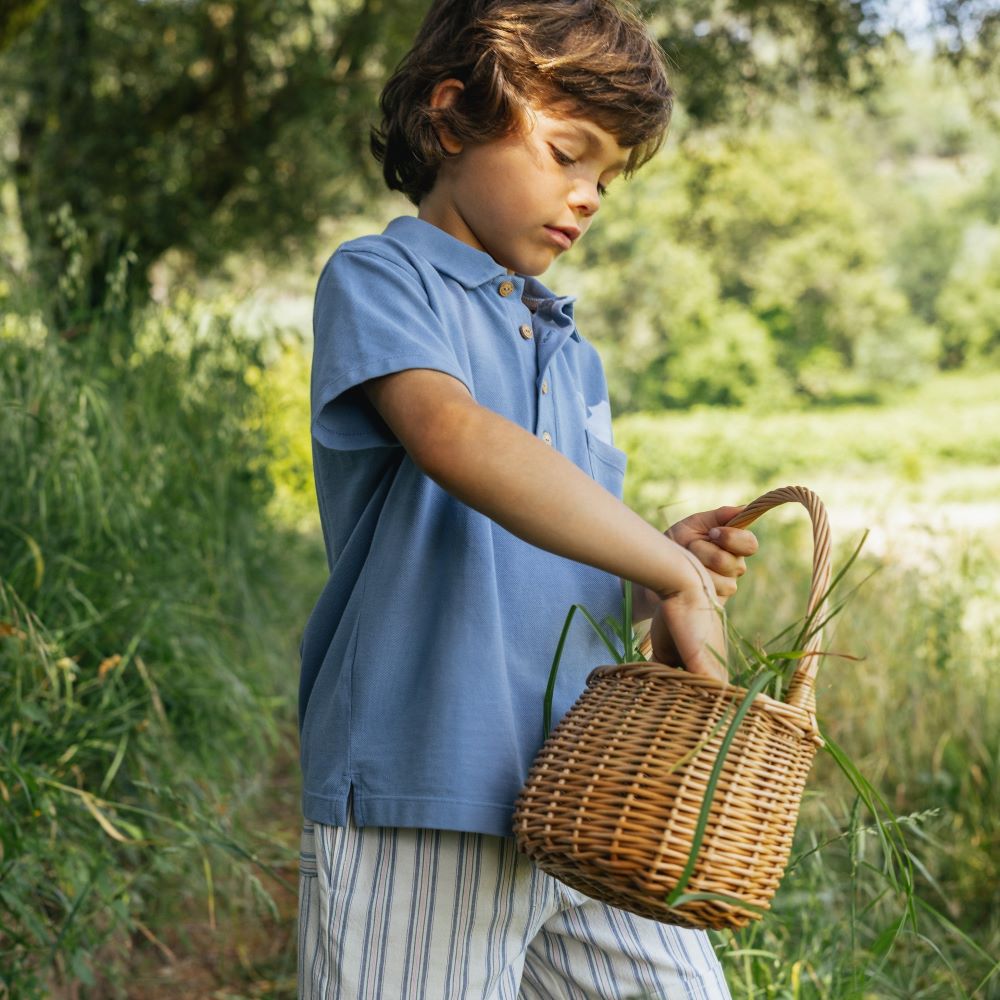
607	464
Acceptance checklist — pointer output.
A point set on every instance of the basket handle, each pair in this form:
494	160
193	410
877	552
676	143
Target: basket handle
802	689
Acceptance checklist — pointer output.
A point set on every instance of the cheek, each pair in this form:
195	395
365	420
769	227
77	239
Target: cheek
529	189
509	197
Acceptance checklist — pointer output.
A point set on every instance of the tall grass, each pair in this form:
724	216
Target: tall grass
918	710
919	713
138	652
144	680
918	707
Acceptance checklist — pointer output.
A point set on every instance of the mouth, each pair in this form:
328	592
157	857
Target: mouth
563	236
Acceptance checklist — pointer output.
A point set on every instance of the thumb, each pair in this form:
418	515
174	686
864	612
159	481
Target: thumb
724	515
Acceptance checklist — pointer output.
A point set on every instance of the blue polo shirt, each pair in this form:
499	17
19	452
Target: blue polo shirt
425	659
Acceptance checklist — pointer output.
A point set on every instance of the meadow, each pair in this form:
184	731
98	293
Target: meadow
912	696
160	553
802	287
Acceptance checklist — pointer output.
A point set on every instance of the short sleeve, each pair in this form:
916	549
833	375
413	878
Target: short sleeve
372	317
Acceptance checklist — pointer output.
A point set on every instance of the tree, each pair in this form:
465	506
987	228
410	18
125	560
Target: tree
15	17
212	125
967	32
739	268
969	303
199	126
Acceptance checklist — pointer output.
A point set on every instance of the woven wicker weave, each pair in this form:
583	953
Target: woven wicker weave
613	797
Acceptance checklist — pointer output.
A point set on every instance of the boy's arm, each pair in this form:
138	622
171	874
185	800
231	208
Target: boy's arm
533	491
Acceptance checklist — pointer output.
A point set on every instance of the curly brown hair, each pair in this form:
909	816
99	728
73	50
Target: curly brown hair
593	58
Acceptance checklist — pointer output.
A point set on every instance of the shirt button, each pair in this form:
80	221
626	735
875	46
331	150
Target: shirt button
525	331
506	287
547	437
545	388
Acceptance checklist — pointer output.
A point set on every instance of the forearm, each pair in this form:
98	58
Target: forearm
506	473
539	495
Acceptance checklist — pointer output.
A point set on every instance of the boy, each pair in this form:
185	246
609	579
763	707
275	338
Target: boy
469	494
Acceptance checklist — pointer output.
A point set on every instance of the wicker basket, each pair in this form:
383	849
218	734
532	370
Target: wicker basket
613	798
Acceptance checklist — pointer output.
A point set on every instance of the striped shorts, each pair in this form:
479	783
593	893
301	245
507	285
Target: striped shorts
436	915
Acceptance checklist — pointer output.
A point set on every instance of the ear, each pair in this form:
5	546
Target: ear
444	95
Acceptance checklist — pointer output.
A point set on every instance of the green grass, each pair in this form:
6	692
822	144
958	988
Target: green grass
158	554
918	710
146	645
939	442
919	713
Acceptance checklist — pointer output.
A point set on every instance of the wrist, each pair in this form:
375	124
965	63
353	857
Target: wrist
690	577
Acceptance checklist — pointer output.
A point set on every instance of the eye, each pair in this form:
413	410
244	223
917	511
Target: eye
561	158
602	190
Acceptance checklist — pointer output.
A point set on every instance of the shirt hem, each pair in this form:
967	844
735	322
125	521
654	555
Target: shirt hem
490	818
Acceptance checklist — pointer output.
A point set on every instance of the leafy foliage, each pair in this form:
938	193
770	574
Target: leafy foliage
742	269
804	258
197	127
210	126
969	302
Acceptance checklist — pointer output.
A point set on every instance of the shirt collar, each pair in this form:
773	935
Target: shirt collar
467	265
471	267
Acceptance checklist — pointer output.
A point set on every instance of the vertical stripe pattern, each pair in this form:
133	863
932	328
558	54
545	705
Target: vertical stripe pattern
436	915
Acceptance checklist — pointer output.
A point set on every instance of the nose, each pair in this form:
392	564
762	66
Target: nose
586	199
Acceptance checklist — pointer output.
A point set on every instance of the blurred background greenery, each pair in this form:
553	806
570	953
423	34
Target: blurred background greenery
804	285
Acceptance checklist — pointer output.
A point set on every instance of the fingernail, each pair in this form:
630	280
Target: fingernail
714	533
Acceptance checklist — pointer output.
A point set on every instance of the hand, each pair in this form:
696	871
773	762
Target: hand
723	555
687	630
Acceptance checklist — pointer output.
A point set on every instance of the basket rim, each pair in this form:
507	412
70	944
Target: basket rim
795	717
801	689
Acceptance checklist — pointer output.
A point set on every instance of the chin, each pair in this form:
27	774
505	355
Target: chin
528	266
532	272
525	257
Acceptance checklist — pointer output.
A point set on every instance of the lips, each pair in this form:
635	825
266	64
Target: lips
563	236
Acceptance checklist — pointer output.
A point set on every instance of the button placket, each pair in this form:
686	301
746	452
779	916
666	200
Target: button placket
545	413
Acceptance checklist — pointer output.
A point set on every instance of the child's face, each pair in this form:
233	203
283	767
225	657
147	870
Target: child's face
525	198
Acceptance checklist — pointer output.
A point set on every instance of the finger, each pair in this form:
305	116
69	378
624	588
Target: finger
716	559
739	541
725	586
686	531
706	657
723	515
700	524
706	664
